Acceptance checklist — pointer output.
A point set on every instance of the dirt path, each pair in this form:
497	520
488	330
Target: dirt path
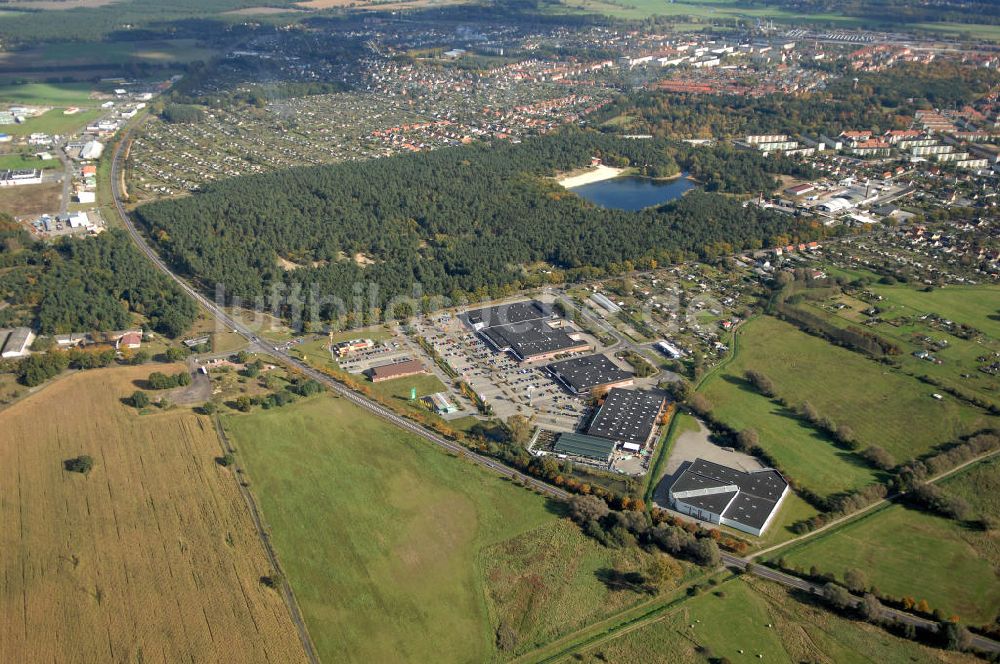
869	508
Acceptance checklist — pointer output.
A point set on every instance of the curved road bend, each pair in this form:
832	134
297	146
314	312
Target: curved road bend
403	423
255	342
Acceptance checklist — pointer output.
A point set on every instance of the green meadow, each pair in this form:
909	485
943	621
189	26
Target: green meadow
398	551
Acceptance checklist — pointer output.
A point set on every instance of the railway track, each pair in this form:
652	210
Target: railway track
403	423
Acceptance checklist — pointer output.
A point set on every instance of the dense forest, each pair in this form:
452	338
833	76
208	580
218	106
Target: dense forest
82	285
460	222
879	101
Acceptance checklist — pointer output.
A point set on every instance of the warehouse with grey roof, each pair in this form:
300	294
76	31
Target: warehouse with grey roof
526	330
628	417
746	501
585	374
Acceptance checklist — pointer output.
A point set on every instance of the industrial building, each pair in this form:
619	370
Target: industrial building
16	342
532	341
396	370
628	417
746	501
92	150
442	404
605	303
345	348
11	178
590	373
505	314
669	349
585	447
526	330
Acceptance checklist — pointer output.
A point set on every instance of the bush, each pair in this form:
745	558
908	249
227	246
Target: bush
934	499
182	114
747	439
837	596
139	399
175	353
272	581
160	381
36	369
700	404
761	383
81	464
879	458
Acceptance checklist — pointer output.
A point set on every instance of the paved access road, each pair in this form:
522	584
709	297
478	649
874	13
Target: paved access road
273	350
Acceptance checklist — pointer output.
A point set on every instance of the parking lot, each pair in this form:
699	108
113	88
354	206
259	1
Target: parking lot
384	352
509	387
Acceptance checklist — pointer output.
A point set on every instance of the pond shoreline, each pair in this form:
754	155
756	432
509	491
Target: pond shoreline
635	192
598	174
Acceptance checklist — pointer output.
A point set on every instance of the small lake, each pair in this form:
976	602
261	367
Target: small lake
634	193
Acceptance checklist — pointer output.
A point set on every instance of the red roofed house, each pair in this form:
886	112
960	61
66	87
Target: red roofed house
396	370
855	136
130	340
895	135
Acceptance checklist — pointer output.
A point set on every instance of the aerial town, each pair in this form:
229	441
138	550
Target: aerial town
572	330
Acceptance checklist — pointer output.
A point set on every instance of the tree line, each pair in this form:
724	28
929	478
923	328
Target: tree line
90	284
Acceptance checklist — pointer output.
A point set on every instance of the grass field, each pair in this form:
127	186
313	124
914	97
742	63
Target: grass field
901	311
703	10
972	305
65	54
806	455
48	94
883	407
988	32
54	122
17	161
31	199
546	583
909	553
399	389
979	485
150	557
393	547
746	618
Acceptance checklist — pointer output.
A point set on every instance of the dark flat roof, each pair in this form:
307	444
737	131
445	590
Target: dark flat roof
505	314
767	484
759	491
627	416
530	338
713	502
578	444
689	481
749	510
585	373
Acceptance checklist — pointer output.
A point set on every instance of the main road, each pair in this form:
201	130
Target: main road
257	344
381	411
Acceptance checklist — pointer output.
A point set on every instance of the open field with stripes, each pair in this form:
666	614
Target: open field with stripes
150	557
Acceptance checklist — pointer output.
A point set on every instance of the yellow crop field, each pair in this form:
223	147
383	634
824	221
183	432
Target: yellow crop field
151	557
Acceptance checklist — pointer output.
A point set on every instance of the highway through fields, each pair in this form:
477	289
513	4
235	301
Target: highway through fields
275	351
381	411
